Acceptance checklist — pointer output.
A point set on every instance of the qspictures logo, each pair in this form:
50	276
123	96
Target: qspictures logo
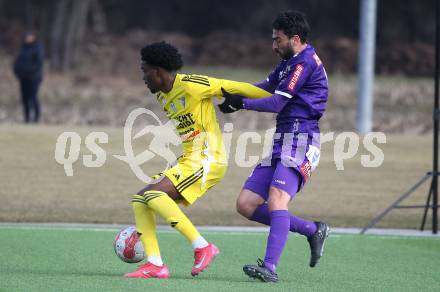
300	150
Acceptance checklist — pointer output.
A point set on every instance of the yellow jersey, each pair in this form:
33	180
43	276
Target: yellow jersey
189	104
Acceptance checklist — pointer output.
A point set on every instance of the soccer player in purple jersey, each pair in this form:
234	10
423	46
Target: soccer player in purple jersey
300	88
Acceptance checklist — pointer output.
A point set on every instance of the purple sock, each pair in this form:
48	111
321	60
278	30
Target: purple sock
297	224
279	231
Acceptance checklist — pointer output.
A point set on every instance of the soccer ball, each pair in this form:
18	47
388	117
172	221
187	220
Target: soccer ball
127	245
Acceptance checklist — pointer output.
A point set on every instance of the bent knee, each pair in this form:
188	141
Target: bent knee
245	208
240	206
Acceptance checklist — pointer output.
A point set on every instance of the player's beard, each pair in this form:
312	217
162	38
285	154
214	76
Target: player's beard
285	53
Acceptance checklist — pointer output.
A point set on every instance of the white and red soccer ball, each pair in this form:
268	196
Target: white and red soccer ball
127	245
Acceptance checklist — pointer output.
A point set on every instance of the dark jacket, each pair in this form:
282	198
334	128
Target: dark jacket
29	63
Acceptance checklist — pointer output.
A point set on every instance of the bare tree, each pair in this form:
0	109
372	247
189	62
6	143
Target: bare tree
98	17
56	50
67	30
75	28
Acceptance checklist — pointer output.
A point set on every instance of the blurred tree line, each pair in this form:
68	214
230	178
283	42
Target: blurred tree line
62	24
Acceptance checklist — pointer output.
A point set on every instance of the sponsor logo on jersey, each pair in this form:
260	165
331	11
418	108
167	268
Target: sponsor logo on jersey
189	136
295	76
185	120
306	170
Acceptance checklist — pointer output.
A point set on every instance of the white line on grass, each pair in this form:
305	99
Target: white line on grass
335	232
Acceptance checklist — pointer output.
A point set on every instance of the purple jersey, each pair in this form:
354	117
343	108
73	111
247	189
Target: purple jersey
300	90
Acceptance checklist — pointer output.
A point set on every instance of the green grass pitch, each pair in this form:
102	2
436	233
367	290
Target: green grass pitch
55	259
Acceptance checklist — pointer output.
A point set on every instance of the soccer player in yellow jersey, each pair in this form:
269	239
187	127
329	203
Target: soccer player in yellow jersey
186	99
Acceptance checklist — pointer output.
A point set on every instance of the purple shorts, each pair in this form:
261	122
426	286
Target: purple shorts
278	175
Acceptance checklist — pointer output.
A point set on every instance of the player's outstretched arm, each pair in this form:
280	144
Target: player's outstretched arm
240	88
235	102
282	94
271	104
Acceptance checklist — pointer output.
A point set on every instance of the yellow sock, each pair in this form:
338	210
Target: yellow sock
163	205
146	226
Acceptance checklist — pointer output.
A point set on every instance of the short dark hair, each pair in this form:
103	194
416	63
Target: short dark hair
292	23
162	55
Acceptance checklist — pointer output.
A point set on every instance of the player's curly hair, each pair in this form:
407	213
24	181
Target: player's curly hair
292	23
162	55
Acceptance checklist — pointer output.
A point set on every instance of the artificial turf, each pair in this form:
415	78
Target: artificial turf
55	259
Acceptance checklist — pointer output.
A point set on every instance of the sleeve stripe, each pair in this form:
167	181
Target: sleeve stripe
196	79
199	78
283	93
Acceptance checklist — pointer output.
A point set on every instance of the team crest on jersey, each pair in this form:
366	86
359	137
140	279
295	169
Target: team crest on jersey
173	107
182	100
284	73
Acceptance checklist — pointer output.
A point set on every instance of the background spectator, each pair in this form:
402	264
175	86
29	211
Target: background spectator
28	68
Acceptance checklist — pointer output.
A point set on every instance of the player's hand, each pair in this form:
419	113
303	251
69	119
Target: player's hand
232	103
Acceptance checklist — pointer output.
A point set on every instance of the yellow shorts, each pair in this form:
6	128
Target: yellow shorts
193	176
